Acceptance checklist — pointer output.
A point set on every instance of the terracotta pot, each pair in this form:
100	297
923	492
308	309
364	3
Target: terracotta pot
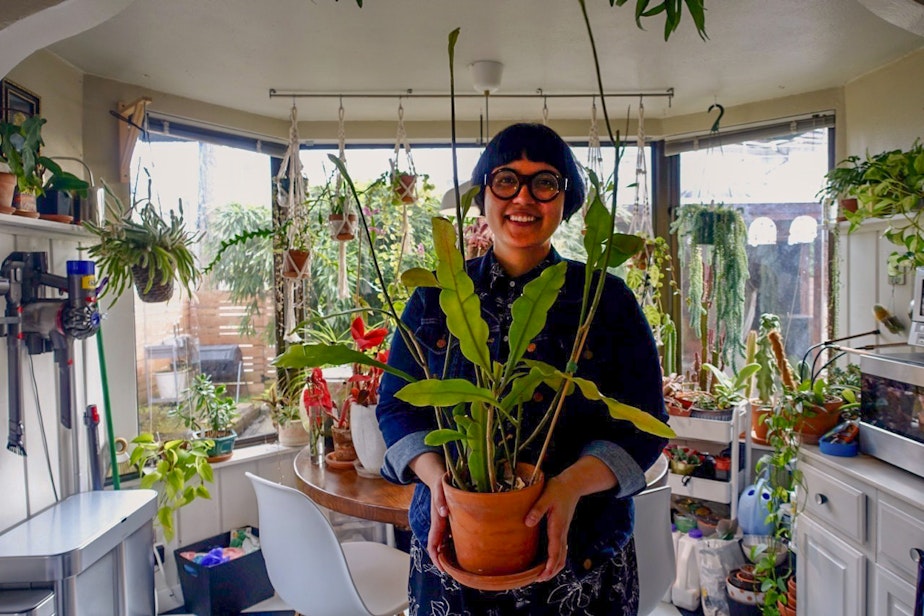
7	188
405	187
785	610
758	424
340	229
823	419
294	264
488	532
343	444
25	202
293	434
846	205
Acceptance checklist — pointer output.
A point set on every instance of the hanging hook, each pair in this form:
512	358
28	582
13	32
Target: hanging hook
715	125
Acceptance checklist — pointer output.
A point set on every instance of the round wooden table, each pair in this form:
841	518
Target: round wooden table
346	492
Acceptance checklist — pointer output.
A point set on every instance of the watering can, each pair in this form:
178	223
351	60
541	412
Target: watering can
754	507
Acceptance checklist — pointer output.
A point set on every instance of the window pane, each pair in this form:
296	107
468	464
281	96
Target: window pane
226	331
774	183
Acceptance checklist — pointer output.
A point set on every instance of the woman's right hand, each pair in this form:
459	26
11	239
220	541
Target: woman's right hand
430	468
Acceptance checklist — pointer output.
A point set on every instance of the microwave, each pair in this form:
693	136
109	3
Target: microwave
892	409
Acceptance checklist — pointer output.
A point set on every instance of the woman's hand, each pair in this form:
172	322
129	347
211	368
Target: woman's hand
430	468
558	501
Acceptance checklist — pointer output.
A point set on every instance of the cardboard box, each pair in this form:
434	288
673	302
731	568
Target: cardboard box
227	588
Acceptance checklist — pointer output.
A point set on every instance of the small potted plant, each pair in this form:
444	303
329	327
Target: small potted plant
210	414
20	146
178	469
841	184
137	245
342	219
728	391
282	401
683	460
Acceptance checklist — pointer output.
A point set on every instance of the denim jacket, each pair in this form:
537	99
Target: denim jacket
620	356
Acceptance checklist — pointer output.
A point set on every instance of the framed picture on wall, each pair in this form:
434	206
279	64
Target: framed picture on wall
17	102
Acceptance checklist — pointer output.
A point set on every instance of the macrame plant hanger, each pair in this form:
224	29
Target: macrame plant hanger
290	195
640	223
404	183
594	153
343	230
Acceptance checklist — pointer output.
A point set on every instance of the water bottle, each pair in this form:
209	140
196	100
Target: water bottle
685	592
675	536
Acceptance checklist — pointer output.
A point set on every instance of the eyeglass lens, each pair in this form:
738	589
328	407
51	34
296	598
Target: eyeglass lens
543	186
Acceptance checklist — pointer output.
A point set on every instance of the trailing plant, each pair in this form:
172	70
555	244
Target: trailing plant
714	240
892	186
138	238
178	469
647	274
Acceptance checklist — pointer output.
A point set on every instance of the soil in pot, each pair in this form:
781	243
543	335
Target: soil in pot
489	537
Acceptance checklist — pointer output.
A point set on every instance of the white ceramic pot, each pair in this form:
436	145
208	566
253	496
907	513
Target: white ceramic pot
367	438
293	434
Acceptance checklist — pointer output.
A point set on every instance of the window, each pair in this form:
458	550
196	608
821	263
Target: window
773	181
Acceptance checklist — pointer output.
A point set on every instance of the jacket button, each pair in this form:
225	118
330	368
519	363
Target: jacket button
441	343
587	564
587	354
537	397
531	347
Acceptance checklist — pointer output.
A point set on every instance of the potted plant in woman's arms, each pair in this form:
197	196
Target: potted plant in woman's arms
138	245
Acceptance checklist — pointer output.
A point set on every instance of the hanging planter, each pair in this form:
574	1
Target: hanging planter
151	292
295	263
342	228
404	186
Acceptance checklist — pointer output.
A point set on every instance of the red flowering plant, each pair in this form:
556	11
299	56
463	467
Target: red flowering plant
314	403
364	383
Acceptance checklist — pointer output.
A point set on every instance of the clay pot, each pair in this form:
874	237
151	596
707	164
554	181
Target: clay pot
293	434
343	444
405	187
785	610
340	229
758	424
7	188
26	202
846	205
488	533
822	420
294	264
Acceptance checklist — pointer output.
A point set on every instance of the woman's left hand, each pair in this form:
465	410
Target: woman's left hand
557	502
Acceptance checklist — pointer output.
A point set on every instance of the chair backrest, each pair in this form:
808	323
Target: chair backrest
654	546
303	558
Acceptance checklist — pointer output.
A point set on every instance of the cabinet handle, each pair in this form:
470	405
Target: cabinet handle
820	499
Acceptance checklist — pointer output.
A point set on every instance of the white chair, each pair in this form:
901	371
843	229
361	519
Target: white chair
314	573
654	546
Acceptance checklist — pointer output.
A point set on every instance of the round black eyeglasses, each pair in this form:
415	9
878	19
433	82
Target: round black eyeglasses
543	186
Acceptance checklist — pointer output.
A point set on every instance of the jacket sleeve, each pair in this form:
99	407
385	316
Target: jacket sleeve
403	426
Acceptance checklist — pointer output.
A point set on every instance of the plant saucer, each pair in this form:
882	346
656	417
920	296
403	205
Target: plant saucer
493	583
5	209
337	465
362	471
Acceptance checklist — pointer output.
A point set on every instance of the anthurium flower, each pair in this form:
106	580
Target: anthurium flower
316	392
366	340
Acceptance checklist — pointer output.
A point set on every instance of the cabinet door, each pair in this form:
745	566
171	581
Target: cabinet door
893	596
834	573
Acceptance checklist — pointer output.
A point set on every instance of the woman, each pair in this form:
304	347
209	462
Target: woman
529	182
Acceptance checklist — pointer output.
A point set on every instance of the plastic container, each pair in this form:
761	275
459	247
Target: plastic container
675	537
685	592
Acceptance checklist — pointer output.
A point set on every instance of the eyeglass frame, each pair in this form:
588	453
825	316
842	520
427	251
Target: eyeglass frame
526	180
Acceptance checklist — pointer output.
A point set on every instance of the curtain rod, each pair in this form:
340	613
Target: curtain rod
409	93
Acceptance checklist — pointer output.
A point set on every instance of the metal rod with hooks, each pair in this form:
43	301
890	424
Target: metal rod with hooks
274	93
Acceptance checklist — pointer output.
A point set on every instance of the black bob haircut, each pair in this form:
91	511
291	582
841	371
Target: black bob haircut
540	144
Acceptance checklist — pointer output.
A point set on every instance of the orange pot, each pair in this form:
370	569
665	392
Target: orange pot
758	425
823	419
294	264
341	229
785	610
488	532
7	188
343	444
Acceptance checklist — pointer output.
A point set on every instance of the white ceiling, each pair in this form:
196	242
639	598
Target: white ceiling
232	52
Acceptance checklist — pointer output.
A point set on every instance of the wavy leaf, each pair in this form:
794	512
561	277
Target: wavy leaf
444	392
530	310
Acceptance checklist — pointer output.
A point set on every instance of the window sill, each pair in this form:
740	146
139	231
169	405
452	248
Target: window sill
256	452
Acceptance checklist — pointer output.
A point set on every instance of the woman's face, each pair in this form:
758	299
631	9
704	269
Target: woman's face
522	225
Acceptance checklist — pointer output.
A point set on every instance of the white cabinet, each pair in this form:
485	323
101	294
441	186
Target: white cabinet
835	574
861	517
702	432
